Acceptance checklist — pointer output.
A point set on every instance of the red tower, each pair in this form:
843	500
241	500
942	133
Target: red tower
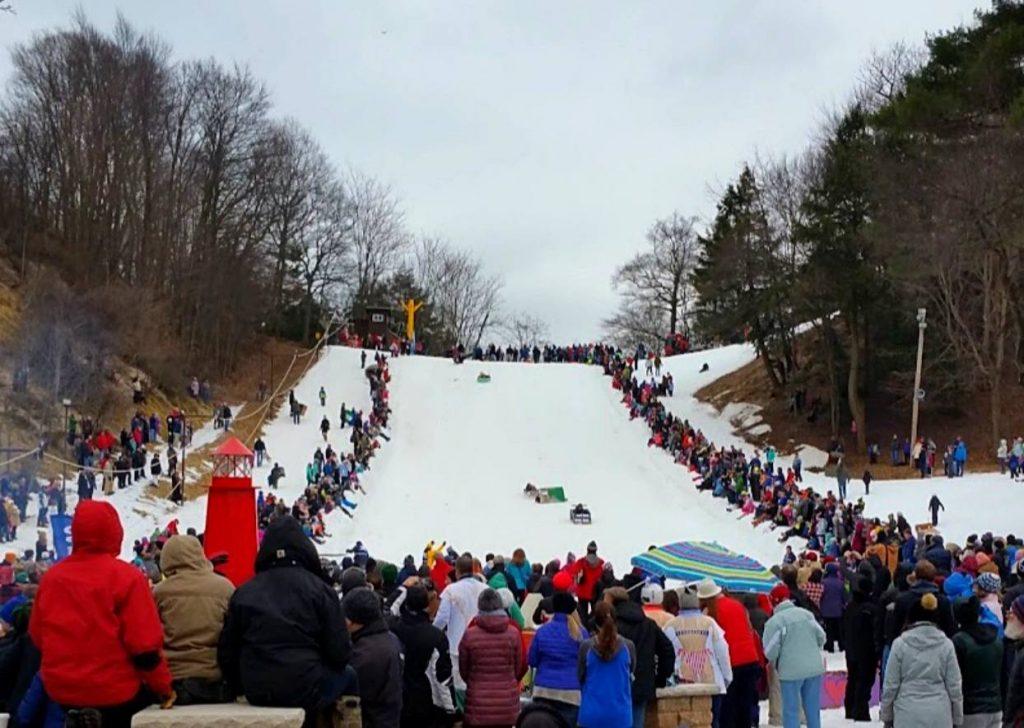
231	526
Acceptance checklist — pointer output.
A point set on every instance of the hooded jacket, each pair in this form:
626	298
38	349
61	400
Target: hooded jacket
427	663
922	681
192	601
655	655
491	663
284	628
377	659
94	617
979	653
792	642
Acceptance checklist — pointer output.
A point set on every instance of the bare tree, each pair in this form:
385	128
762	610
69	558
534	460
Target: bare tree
656	281
464	299
323	247
378	236
524	329
884	76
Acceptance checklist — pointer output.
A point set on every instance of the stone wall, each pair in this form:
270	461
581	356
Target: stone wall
682	705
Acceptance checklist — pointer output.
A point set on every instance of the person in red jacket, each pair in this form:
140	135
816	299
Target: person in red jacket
741	695
98	629
586	572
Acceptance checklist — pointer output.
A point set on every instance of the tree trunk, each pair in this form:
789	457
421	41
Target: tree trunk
853	392
995	405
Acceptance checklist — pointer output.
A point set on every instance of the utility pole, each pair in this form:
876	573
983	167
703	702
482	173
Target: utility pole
918	392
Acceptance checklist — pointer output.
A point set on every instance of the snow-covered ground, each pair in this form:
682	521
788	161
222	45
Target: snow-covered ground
461	452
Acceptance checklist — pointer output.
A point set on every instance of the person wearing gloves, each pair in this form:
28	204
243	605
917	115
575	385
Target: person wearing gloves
793	642
923	687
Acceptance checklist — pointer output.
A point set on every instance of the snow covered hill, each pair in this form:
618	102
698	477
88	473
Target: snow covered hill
461	453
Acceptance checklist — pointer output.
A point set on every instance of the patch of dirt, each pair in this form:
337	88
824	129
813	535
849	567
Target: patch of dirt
887	416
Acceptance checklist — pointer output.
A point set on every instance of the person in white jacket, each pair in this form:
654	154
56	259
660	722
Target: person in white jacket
457	609
702	654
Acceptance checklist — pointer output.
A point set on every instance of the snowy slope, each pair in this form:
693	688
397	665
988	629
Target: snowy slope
461	453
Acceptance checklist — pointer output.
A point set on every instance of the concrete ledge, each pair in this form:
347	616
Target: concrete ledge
224	715
688	690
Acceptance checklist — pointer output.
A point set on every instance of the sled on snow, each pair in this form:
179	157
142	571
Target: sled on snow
545	495
483	378
580	515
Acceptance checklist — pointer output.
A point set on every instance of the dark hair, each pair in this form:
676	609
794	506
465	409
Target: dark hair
606	642
670	601
464	565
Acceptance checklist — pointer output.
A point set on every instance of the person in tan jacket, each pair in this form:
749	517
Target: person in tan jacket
192	601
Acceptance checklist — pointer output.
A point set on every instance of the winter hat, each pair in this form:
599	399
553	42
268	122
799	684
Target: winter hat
389	573
361	606
778	594
561	581
989	583
10	557
489	602
651	594
409	562
592	547
563	603
352	578
21	577
967	611
969	565
570	558
926	609
831	568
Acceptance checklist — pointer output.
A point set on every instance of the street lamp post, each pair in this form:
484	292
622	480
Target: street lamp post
64	468
918	392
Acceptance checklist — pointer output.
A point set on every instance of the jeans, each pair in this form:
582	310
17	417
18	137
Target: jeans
639	713
259	458
797	692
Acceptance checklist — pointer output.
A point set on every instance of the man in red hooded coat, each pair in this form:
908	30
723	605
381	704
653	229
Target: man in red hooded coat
586	572
97	626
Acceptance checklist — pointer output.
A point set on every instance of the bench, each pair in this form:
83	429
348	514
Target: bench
223	715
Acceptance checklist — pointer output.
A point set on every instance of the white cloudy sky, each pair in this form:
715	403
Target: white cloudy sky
545	136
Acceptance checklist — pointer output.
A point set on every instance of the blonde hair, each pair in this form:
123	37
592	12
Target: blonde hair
575	625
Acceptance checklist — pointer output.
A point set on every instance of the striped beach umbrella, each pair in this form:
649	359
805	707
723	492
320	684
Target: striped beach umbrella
695	560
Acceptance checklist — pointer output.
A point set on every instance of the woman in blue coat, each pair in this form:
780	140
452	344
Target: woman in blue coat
605	669
554	656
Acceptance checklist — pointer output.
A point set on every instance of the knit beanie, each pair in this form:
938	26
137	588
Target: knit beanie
989	583
926	609
352	578
563	602
778	594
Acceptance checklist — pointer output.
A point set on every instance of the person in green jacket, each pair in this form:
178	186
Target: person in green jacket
793	642
312	473
979	652
499	583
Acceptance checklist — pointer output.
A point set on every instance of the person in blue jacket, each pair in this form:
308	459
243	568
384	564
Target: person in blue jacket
518	571
959	457
36	708
605	670
554	655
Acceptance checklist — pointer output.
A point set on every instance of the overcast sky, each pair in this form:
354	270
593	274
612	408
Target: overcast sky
545	136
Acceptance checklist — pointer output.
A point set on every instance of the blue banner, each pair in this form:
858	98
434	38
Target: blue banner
61	525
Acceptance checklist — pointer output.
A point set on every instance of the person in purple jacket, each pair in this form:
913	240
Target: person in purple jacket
833	601
554	655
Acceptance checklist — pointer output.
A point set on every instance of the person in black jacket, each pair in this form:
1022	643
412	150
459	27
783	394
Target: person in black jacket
285	641
939	556
922	582
655	655
427	663
979	652
377	659
862	653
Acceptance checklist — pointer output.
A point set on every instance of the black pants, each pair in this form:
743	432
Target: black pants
859	681
833	633
741	697
120	716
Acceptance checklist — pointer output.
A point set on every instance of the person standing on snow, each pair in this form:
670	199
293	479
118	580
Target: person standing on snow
959	457
793	640
325	427
458	608
376	658
259	448
842	478
362	359
934	505
428	665
104	664
491	662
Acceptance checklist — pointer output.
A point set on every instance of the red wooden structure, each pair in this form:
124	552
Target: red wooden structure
231	526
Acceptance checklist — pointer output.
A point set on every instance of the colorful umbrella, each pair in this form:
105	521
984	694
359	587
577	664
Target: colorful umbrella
696	560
